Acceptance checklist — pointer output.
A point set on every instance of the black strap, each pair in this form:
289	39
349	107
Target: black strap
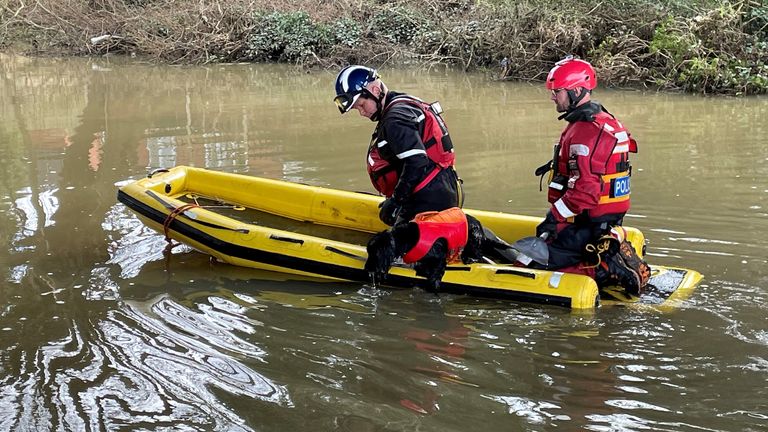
541	172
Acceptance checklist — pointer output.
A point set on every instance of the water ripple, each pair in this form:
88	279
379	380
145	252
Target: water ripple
625	422
174	371
131	370
132	244
209	326
535	412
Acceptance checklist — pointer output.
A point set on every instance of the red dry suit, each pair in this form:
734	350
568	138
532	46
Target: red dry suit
591	169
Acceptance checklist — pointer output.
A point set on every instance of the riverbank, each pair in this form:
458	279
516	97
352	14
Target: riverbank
687	45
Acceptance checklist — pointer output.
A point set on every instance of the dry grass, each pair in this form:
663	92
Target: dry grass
532	34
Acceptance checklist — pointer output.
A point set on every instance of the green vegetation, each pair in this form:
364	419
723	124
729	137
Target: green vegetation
289	37
712	53
703	46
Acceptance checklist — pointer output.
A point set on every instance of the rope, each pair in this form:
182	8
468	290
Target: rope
170	218
179	210
597	250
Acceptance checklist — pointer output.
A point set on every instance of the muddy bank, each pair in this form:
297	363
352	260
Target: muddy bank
695	46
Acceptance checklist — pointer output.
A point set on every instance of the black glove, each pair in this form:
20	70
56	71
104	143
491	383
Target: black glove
549	226
390	210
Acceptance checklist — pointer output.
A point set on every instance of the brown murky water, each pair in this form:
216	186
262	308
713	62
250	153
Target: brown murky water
99	332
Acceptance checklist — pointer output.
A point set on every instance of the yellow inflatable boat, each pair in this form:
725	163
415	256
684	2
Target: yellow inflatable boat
320	232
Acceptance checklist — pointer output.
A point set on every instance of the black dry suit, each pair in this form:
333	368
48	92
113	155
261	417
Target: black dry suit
398	141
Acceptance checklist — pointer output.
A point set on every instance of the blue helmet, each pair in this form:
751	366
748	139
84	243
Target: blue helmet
350	84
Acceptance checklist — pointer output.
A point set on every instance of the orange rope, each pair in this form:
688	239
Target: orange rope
171	216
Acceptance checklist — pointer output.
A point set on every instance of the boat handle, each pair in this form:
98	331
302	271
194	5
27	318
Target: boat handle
516	273
286	239
344	253
157	171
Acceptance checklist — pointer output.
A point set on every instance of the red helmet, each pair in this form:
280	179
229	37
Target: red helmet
570	73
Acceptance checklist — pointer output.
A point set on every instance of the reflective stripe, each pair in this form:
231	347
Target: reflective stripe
608	127
381	144
563	209
370	160
420	118
557	186
579	150
622	148
622	136
608	177
409	153
605	199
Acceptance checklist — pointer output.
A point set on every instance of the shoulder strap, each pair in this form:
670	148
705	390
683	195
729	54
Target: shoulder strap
406	98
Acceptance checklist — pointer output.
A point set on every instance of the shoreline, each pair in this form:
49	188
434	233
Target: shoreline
697	46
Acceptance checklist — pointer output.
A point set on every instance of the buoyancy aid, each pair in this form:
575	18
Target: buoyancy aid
434	136
450	224
602	146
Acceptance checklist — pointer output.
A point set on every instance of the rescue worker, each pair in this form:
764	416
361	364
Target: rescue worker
589	189
410	157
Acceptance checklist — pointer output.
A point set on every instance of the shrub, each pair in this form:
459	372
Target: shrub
709	53
285	36
345	31
398	25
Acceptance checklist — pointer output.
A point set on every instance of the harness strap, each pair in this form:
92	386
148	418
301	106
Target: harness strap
427	179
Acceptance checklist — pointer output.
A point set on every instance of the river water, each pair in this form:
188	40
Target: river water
98	331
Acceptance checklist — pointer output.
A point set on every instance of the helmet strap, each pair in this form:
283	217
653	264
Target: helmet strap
575	99
379	101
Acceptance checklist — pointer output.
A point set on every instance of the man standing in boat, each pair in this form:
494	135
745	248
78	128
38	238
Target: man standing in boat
589	185
410	158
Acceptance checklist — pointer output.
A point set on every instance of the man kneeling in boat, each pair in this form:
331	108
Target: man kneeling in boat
589	186
410	158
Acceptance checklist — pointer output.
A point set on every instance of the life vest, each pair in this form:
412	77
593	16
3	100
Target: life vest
450	224
437	143
609	159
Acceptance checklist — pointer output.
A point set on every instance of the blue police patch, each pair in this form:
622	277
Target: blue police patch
620	186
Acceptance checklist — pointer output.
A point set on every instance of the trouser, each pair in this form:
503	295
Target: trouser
569	247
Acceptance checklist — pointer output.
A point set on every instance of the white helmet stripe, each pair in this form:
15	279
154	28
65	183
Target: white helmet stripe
354	99
344	78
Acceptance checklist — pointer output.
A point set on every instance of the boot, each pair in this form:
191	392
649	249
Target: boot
620	265
637	264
